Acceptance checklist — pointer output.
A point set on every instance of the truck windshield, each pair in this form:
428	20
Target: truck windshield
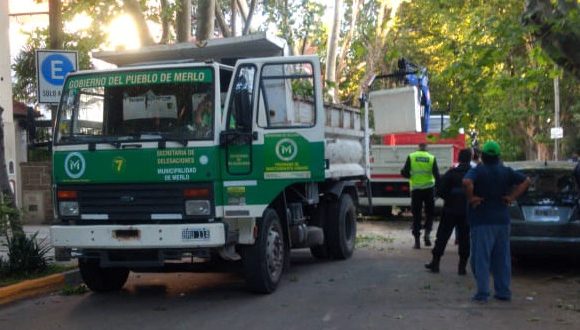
167	104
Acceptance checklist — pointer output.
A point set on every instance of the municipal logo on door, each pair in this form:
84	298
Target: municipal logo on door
286	149
74	165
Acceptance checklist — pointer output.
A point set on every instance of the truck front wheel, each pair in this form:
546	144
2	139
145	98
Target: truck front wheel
100	279
341	228
264	261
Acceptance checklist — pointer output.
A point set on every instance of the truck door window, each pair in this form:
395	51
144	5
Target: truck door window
287	95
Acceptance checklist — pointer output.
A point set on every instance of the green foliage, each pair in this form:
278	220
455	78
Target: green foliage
299	22
485	67
9	217
26	255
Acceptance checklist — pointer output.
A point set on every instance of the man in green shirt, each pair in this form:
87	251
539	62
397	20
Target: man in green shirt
423	174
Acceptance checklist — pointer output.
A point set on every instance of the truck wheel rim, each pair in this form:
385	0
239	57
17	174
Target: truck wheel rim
274	253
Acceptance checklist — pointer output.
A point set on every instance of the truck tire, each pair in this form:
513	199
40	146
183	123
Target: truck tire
264	261
320	251
100	279
341	228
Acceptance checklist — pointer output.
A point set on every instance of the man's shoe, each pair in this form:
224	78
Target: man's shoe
502	298
427	240
433	266
417	243
480	301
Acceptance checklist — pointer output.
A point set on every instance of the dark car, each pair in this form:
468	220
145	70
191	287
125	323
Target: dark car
546	219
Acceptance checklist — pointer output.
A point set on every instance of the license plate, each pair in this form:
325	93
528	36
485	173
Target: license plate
546	214
195	234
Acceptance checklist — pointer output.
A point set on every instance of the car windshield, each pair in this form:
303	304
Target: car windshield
550	186
163	104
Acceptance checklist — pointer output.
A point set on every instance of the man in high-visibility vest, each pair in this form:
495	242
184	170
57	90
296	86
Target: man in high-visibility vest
423	174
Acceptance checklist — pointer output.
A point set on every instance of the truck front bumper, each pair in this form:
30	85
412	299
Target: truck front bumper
139	236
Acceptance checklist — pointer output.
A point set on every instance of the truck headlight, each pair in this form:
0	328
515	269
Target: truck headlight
197	207
68	208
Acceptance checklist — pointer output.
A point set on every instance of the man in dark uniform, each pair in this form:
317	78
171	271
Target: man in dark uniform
423	174
454	209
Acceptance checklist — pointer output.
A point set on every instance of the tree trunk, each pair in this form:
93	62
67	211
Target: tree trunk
165	22
184	21
234	8
134	9
357	4
248	23
55	29
205	21
221	21
242	5
332	49
55	34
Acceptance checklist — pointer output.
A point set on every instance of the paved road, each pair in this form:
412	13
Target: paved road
384	286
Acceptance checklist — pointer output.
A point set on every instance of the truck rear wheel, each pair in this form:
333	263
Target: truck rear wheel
264	261
100	279
341	227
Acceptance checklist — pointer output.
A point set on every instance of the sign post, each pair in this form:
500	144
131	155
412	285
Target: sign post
52	66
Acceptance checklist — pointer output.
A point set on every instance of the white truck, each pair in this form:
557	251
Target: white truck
397	133
143	181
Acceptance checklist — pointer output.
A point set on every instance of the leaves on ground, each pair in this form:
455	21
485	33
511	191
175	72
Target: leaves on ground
374	241
70	290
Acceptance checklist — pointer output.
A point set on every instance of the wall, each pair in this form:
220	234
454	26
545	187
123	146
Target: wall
36	195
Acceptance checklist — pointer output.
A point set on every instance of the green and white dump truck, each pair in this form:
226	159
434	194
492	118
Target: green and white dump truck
179	162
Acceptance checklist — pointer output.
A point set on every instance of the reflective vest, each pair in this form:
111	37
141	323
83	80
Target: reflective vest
421	170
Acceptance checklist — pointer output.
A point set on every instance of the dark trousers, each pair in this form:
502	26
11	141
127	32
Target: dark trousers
446	225
420	197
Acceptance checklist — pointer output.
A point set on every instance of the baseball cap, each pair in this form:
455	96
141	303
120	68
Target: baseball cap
491	148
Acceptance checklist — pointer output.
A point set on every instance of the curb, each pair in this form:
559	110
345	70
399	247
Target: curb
39	286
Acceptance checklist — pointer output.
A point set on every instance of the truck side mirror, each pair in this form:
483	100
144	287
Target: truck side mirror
243	110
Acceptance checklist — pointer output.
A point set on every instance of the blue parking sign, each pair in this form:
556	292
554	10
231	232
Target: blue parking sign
52	66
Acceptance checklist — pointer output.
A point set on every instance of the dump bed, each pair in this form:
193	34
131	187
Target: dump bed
344	138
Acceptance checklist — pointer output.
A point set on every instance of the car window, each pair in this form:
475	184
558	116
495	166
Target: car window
550	181
550	184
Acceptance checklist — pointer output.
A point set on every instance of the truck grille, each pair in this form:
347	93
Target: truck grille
132	203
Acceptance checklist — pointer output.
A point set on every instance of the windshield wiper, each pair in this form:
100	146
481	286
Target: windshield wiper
91	140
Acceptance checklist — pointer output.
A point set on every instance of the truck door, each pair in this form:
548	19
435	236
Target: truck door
274	131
